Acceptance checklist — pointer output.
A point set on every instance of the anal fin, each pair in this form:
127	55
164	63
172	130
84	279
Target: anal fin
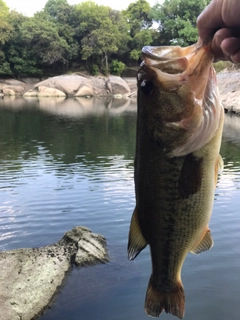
205	244
136	241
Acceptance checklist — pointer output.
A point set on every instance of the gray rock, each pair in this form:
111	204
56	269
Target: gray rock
118	86
31	277
76	85
31	93
69	84
13	90
8	91
85	91
44	91
14	82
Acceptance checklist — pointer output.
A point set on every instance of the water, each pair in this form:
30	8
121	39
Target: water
70	162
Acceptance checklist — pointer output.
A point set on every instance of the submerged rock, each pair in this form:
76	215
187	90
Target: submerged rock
31	277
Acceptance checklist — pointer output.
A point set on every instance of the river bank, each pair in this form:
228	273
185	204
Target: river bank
76	85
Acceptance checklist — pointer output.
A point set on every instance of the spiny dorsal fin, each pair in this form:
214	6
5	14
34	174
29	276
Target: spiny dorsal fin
190	178
205	244
136	241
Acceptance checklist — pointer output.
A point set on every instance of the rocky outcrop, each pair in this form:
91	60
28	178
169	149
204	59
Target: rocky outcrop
73	85
229	87
77	86
31	277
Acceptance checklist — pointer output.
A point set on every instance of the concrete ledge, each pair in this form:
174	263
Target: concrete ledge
29	278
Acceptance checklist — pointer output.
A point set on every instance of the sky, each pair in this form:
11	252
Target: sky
29	7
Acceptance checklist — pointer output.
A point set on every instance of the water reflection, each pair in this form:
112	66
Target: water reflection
70	107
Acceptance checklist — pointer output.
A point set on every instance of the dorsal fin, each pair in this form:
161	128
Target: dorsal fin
136	241
205	244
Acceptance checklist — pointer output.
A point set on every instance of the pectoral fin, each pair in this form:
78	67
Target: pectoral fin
205	244
190	178
218	168
136	241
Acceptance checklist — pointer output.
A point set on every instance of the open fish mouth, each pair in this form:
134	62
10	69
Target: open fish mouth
193	60
176	69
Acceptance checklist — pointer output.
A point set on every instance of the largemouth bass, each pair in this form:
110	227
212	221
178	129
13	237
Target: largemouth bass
179	131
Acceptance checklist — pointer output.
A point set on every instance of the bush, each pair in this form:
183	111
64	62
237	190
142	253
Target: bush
117	67
221	65
94	70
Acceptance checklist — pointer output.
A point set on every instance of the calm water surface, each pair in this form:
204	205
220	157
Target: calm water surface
70	162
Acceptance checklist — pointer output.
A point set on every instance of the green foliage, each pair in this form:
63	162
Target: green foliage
137	15
4	65
143	38
117	67
177	21
94	69
223	65
99	33
62	35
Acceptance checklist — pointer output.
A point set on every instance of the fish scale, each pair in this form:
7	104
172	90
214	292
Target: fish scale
179	130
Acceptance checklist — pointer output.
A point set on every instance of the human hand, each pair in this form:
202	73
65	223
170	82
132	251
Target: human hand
220	21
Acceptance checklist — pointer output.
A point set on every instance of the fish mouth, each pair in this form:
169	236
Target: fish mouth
186	74
174	65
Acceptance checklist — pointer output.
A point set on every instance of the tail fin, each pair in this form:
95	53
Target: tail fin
172	301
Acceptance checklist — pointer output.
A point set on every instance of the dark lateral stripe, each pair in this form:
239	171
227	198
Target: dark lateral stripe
190	179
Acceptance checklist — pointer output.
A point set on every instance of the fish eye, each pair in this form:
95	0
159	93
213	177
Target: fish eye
146	87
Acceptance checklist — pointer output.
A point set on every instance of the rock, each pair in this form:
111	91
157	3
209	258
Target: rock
118	86
8	91
91	250
50	92
18	90
31	93
69	84
85	91
14	82
99	86
76	85
31	277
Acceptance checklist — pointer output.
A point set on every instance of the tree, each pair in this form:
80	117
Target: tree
42	39
138	17
98	33
64	16
5	35
177	20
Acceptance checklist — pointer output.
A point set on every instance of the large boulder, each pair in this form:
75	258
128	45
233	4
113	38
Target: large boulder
44	91
30	277
85	90
76	85
14	82
8	91
12	90
117	86
69	84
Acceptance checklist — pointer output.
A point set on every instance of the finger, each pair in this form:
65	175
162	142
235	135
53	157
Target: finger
231	49
210	20
218	38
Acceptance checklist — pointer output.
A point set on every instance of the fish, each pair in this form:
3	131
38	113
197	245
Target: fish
177	163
